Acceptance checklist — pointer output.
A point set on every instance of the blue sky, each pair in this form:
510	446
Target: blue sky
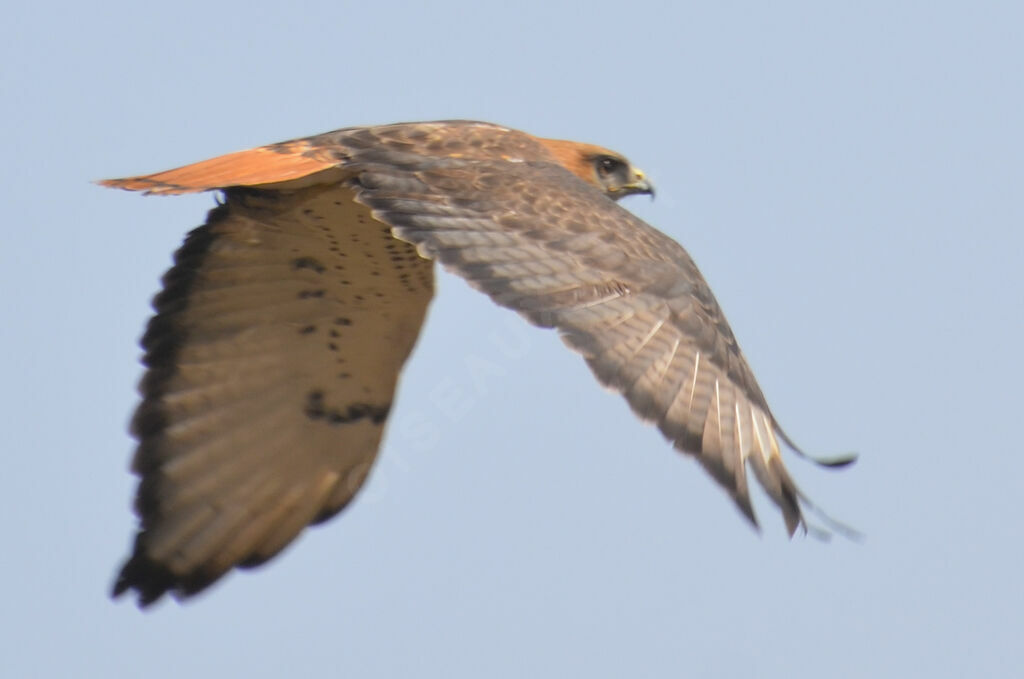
847	177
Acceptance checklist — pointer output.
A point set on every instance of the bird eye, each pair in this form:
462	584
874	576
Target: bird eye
606	165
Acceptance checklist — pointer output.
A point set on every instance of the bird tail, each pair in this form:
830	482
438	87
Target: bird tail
259	166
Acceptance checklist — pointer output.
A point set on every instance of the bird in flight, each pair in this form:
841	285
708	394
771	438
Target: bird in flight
283	325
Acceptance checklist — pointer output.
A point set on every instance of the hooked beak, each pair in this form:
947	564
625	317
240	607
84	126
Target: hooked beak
640	184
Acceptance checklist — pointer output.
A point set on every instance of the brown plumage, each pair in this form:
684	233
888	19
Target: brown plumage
282	328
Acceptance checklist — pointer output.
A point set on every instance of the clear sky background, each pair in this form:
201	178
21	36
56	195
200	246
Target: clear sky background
849	178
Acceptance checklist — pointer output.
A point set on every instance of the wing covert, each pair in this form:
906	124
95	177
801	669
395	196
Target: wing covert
625	296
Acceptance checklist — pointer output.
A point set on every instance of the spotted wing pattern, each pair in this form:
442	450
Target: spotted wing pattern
272	364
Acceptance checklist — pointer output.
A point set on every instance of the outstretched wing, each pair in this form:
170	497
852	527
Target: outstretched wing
272	363
625	296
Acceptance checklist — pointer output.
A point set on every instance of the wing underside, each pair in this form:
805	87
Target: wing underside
272	363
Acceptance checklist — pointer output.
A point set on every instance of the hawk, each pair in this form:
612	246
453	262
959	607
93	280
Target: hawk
283	325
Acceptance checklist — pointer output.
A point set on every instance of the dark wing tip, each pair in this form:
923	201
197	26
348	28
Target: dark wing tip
837	462
830	525
151	580
746	508
834	462
148	579
833	527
